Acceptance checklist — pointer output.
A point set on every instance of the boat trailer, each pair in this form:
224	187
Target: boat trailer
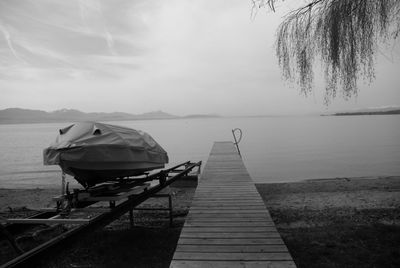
75	208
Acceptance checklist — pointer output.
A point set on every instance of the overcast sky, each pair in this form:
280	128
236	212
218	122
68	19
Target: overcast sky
179	56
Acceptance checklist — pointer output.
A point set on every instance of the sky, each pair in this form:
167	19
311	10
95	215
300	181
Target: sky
181	57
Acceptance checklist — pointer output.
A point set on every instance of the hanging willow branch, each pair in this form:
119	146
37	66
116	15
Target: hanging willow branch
343	34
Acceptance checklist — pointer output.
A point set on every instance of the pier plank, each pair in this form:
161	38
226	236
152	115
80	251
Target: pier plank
228	224
230	235
226	229
232	248
222	256
232	241
232	264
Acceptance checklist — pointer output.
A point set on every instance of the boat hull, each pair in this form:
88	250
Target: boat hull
89	174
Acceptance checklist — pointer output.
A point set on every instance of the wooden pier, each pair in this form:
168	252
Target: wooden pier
228	224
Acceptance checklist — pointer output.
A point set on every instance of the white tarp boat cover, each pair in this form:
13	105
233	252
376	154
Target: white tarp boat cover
91	146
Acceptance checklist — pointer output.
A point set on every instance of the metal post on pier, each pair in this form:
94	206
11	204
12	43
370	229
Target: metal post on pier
236	140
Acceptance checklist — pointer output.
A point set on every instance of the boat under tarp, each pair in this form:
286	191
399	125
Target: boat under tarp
95	152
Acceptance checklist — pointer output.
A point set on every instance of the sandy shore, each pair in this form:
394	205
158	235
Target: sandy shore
348	195
345	222
11	199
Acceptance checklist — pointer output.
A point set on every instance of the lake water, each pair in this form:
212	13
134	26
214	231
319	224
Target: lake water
274	149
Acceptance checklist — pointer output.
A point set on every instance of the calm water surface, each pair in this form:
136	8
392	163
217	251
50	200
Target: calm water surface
275	149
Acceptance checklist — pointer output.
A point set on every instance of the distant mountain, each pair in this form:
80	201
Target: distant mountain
201	116
368	111
18	115
156	115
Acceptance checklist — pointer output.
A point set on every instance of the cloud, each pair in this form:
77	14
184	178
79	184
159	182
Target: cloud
64	37
92	15
7	37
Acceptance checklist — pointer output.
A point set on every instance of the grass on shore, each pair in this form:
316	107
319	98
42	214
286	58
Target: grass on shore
338	222
151	243
139	247
344	246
